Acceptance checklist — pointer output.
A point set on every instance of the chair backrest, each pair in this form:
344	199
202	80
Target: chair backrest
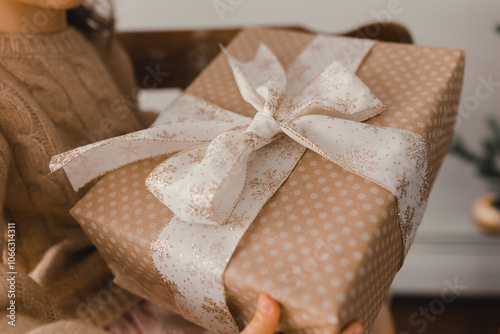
184	54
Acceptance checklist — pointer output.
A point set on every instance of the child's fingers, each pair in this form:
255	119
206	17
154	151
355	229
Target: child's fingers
354	328
266	318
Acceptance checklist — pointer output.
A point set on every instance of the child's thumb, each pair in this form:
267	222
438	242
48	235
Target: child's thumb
266	318
354	328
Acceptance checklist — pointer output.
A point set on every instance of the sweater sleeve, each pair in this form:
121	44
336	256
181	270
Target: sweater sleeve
23	302
32	311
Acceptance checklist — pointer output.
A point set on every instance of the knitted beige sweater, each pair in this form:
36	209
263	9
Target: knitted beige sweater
57	91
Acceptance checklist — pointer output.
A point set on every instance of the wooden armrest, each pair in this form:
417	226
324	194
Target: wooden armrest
184	54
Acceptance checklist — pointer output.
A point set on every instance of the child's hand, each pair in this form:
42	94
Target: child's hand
267	316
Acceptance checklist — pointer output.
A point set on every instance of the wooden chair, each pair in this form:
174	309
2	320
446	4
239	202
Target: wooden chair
184	54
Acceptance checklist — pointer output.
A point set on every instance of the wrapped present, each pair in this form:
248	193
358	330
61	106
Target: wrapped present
298	165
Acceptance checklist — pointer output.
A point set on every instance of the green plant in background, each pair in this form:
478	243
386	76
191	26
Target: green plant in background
487	162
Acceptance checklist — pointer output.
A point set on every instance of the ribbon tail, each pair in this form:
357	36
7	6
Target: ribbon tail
89	162
393	158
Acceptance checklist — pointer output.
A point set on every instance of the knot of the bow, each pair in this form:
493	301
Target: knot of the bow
264	125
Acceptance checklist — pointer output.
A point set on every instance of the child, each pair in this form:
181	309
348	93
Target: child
63	84
60	87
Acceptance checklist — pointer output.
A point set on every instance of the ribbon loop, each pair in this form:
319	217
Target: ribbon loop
262	81
335	92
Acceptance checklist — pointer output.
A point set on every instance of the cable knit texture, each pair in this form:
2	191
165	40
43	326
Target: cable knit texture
57	91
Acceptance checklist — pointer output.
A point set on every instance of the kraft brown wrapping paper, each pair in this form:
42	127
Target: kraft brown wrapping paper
327	245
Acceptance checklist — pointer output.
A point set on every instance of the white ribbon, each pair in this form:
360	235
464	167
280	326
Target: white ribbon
228	165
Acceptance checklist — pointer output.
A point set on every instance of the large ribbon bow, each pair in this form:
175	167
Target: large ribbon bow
214	186
228	165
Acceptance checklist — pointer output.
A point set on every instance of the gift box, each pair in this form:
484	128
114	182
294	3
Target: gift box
316	205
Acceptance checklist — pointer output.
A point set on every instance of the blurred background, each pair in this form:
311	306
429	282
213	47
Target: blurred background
450	250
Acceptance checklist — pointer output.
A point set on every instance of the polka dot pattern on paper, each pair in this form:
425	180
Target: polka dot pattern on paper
122	221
